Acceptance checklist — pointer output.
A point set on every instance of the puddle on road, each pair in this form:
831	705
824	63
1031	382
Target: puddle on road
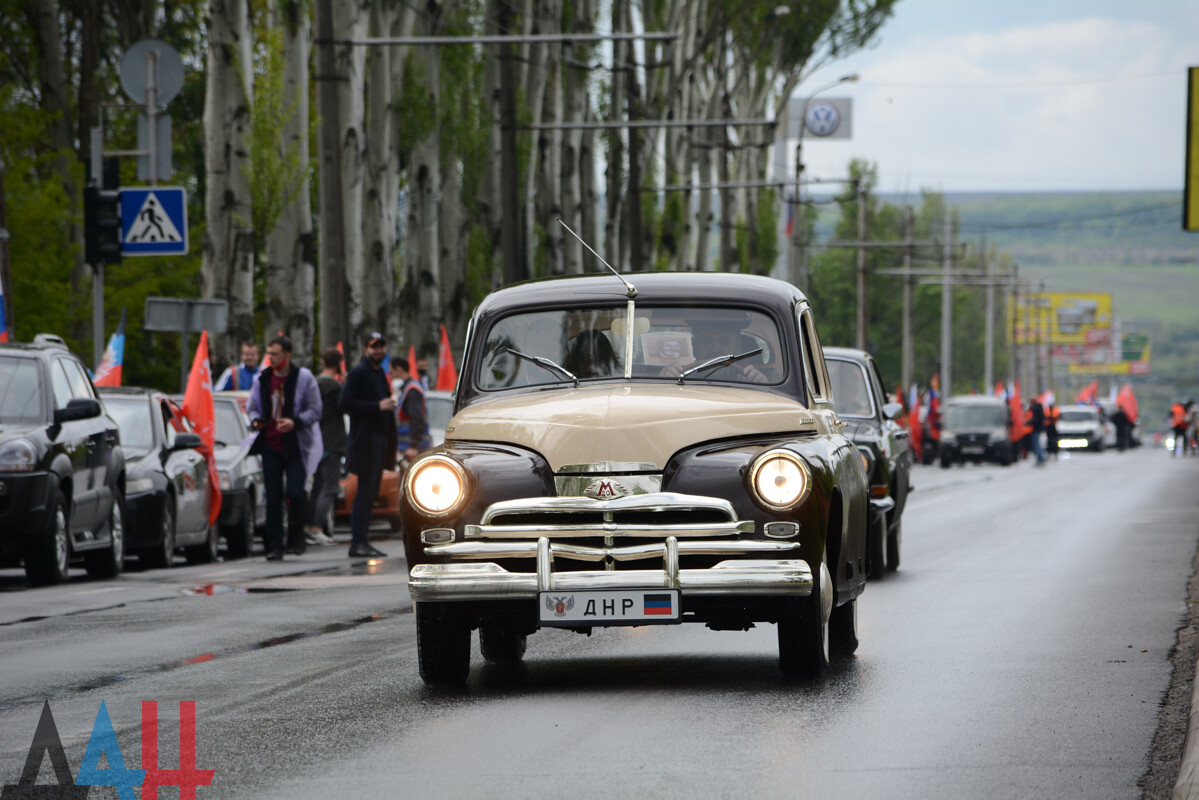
154	669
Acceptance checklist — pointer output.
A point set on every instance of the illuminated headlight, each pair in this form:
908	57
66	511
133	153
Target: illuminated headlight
226	481
780	479
1072	444
17	456
436	485
948	437
140	485
997	437
867	456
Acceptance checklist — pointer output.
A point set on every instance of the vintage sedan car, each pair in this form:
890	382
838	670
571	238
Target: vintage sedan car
622	455
883	444
243	510
62	469
166	486
975	428
1081	427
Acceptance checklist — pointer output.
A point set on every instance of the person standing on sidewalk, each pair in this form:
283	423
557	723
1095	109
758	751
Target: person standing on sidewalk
333	434
285	408
366	397
1037	422
412	427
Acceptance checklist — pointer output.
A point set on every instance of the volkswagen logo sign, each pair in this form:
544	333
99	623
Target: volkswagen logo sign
822	118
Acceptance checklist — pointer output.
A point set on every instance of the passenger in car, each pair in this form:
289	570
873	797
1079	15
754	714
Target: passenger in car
714	338
591	356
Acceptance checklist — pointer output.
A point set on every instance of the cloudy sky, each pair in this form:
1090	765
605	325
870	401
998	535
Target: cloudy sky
1018	95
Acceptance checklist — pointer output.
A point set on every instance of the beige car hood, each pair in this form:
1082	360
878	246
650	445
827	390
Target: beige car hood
626	424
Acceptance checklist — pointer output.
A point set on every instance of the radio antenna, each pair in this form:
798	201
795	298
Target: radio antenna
631	290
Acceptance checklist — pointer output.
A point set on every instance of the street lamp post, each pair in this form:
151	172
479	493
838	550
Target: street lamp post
799	259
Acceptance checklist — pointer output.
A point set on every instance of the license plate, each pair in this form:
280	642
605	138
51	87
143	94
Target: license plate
609	607
976	451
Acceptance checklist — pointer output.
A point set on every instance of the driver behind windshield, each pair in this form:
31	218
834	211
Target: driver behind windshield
715	338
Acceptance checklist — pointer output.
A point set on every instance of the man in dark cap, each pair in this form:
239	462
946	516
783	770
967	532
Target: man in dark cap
366	398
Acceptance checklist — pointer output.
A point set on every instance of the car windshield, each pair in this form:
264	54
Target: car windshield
20	392
851	393
134	419
228	431
966	417
1078	415
557	346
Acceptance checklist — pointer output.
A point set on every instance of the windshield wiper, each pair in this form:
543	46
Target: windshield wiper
719	361
546	364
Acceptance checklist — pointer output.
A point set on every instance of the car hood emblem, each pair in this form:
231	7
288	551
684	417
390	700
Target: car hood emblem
605	489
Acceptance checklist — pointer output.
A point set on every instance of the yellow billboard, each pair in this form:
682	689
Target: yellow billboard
1190	196
1059	318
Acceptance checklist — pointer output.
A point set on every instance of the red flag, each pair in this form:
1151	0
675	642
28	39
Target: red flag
412	370
1089	392
447	374
198	407
1128	402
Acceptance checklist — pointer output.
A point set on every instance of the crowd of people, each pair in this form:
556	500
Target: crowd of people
301	436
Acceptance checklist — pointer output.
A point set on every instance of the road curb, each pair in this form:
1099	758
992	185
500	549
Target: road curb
1187	785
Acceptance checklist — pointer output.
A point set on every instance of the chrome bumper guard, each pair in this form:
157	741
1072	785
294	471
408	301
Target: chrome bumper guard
482	580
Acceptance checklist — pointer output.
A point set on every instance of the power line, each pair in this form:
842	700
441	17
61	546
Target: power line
1030	85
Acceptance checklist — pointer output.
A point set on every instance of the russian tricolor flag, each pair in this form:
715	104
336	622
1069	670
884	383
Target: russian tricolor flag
658	604
108	372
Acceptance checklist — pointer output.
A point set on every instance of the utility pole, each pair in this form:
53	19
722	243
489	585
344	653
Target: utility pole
1014	366
908	359
947	308
5	281
860	193
726	210
334	324
989	351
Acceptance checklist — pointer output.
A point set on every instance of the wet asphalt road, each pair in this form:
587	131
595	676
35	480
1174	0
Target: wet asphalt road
1022	650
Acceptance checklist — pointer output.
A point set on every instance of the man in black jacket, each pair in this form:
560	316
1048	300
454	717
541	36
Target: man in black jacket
366	397
333	434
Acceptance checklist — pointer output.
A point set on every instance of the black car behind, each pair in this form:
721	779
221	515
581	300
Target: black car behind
975	428
62	469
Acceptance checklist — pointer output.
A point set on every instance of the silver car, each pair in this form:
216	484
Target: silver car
243	511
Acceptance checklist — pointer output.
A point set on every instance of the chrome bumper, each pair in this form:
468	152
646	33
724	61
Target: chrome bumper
489	581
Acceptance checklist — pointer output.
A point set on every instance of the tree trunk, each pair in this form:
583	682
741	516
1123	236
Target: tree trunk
546	18
381	182
615	159
401	26
350	21
228	265
290	272
549	179
334	320
491	204
575	104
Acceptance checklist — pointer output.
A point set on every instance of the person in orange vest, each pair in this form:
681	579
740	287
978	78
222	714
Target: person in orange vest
1178	421
1052	415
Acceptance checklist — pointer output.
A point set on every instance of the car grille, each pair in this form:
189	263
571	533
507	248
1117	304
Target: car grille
972	440
635	532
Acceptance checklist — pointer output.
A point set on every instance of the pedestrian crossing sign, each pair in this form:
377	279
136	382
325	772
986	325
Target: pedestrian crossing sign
153	221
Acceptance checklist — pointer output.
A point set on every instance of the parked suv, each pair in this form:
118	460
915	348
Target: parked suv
62	470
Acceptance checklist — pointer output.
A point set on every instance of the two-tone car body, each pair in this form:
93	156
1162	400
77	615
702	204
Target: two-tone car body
884	445
629	455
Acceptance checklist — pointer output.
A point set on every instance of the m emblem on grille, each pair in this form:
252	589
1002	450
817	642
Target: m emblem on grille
605	489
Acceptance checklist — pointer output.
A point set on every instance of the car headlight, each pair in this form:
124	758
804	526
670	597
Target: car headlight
18	455
949	437
139	485
997	436
867	456
436	485
226	481
780	479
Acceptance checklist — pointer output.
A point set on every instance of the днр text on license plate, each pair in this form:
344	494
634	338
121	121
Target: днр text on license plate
609	607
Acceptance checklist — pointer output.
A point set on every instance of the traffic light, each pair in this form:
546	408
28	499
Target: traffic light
102	225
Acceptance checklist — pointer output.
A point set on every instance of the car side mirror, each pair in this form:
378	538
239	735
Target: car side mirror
78	408
186	441
893	411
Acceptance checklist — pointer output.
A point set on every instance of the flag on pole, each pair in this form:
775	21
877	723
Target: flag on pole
3	317
198	407
108	372
413	372
1128	402
447	373
1089	393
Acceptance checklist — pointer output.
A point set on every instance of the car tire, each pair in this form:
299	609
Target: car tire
946	462
803	633
396	523
843	629
109	562
502	646
162	556
239	539
894	540
207	552
442	645
876	546
48	556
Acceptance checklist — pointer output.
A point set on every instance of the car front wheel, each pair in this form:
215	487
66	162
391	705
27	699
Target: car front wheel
109	562
164	555
876	546
442	645
47	556
207	552
803	630
240	538
894	540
